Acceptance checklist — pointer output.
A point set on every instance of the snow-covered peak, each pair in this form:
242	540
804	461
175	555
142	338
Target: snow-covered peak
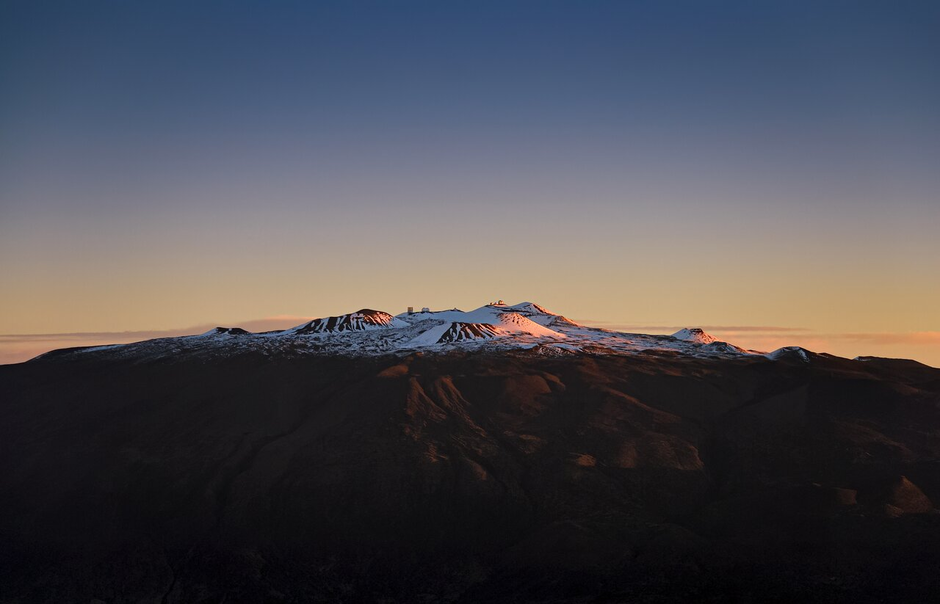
530	307
356	321
536	313
694	334
486	322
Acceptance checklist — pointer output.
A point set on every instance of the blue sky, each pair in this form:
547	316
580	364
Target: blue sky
170	164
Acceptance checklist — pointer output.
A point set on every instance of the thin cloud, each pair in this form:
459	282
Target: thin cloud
99	335
756	328
921	338
79	338
273	323
769	329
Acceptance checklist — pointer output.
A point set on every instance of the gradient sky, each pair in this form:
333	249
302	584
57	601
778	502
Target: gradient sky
772	167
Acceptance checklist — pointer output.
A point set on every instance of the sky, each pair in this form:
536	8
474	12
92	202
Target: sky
768	170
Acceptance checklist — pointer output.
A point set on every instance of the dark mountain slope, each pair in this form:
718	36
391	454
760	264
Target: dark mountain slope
469	477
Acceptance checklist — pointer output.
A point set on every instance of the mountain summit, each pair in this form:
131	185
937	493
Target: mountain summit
694	334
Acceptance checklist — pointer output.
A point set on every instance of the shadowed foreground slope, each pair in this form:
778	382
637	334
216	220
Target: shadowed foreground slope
469	477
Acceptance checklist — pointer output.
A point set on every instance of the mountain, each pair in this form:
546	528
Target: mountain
504	454
367	332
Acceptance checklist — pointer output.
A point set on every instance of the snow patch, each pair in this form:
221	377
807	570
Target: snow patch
694	334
